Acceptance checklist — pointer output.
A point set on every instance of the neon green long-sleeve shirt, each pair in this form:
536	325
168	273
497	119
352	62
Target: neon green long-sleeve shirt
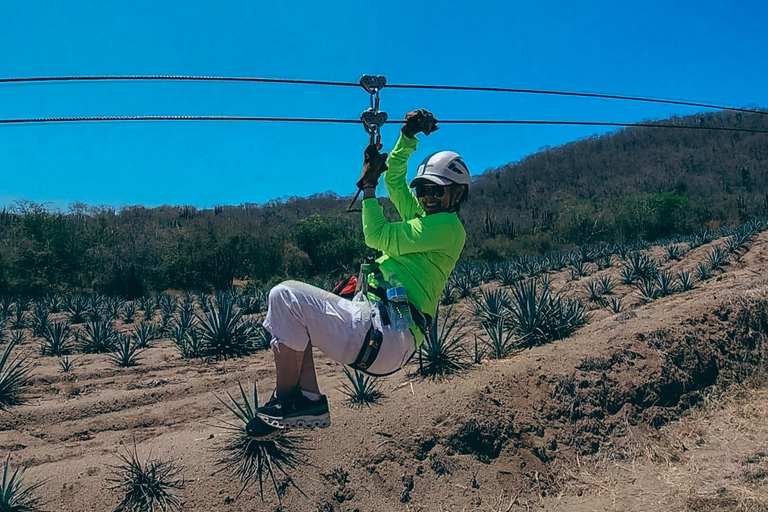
421	249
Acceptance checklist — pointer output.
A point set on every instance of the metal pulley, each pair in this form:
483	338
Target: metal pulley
372	118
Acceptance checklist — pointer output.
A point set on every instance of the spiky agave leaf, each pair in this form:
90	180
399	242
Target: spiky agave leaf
616	305
14	497
500	340
687	280
606	285
528	308
99	337
129	311
222	335
665	283
144	333
57	340
361	389
146	485
251	460
14	377
126	352
490	305
443	353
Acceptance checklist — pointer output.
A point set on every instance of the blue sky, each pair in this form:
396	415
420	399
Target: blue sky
709	51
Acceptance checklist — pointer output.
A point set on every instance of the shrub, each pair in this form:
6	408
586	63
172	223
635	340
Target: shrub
57	340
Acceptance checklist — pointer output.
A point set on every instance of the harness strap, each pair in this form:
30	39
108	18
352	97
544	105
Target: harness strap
369	351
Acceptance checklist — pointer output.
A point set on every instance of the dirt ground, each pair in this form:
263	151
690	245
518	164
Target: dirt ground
660	407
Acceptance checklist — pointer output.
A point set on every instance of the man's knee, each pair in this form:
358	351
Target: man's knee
282	293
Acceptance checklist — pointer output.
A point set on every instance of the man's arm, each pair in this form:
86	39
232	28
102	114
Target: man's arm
395	178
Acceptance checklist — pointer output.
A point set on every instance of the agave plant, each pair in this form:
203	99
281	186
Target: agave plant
14	378
490	306
40	319
53	302
450	295
146	485
57	340
594	292
111	307
674	252
144	333
442	352
616	305
606	285
361	389
604	261
125	352
703	272
648	290
565	316
24	303
717	258
640	267
627	275
251	460
464	285
66	364
508	274
14	496
500	340
479	352
129	311
205	302
19	319
528	308
99	337
665	284
222	334
259	337
6	306
686	280
78	309
189	344
578	269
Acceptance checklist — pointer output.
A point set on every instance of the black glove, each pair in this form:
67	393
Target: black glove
420	120
374	164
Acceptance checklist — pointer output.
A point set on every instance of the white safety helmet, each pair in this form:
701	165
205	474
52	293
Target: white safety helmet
443	168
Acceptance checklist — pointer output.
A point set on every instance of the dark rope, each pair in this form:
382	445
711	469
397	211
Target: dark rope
193	78
357	121
186	78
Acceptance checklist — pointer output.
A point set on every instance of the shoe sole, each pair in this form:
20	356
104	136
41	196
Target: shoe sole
322	421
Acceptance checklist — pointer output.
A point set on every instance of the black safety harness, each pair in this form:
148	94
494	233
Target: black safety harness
374	337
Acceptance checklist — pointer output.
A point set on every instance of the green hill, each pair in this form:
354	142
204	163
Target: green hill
633	183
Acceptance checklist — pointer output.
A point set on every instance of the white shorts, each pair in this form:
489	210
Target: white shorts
300	314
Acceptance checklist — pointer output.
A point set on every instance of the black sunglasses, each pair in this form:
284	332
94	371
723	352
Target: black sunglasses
430	190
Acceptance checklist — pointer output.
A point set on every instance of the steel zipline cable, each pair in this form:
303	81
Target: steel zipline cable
192	78
357	121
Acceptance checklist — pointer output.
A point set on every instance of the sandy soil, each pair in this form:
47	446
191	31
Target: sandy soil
620	416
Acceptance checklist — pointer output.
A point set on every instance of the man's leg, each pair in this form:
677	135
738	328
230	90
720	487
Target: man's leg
288	364
308	377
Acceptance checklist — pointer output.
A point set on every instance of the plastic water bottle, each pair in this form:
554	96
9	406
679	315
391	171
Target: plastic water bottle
399	310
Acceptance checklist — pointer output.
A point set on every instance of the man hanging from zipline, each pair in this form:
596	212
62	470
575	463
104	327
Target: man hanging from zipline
378	331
